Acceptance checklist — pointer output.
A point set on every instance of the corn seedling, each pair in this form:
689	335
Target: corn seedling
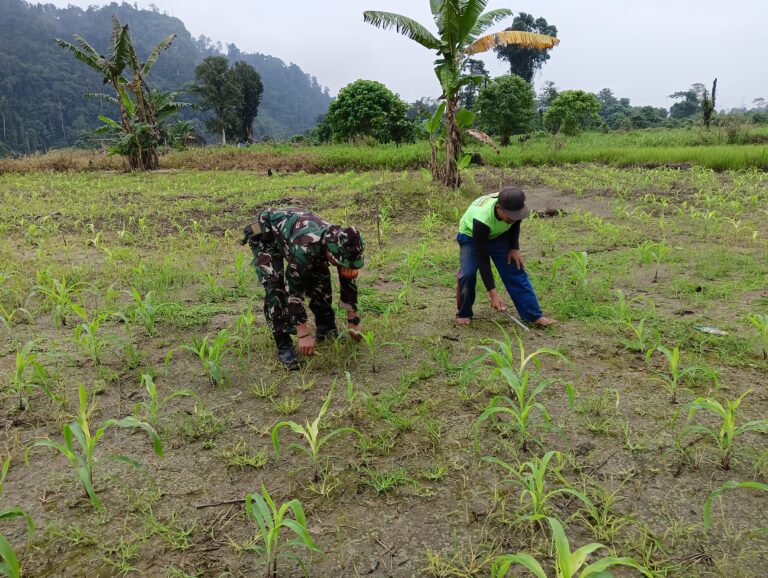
8	315
531	478
311	434
643	338
211	355
149	410
672	380
144	311
577	262
87	333
521	405
370	344
28	375
567	564
58	295
245	329
270	520
83	459
724	488
761	324
9	564
725	437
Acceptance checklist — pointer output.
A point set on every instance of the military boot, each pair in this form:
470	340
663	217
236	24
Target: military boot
286	353
326	331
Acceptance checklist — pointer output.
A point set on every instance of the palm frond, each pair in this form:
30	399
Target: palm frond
152	58
485	21
470	12
483	138
402	25
523	39
80	55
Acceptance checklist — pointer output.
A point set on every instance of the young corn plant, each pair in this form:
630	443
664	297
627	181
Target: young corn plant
760	323
84	459
270	520
642	337
521	405
567	564
531	478
28	375
9	564
311	434
672	380
724	488
245	329
211	355
58	295
725	436
87	333
144	311
150	410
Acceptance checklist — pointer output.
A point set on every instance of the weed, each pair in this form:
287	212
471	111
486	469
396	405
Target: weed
84	459
239	457
270	520
383	482
287	406
173	532
264	389
725	437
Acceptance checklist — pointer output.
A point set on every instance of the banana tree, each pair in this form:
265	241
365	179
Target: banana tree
461	26
131	94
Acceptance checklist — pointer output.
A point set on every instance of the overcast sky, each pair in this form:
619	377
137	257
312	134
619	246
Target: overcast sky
641	49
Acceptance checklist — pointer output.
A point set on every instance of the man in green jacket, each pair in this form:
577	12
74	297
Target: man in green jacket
490	230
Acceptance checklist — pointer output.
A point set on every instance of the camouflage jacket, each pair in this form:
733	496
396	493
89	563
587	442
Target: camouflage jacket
295	235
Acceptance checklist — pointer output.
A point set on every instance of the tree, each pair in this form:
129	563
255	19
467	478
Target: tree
571	111
468	94
690	102
137	114
506	106
250	96
219	91
460	26
368	108
523	61
708	103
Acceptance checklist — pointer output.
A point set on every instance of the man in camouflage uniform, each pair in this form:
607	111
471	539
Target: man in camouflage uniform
292	250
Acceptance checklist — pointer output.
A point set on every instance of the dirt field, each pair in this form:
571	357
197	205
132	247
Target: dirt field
625	259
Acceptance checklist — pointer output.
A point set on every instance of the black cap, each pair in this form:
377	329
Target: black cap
512	202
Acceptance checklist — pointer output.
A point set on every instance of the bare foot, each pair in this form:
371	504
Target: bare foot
463	320
544	322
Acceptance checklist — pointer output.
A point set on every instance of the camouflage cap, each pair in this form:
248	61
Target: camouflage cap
346	245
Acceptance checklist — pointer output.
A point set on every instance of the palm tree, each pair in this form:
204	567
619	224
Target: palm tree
461	25
133	97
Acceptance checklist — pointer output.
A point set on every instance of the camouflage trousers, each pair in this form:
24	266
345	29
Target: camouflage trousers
284	307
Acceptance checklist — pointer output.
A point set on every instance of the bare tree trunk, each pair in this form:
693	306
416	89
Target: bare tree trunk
452	145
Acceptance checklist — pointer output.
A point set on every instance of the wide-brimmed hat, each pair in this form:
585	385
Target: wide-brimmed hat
346	245
512	202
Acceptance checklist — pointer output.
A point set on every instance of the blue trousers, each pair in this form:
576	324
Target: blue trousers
515	280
